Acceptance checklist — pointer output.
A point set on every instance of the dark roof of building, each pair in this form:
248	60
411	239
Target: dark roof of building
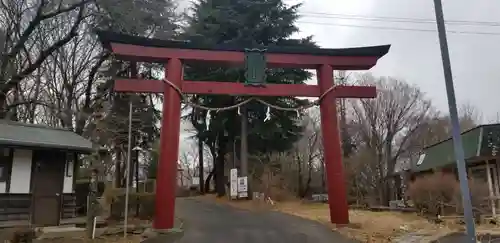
481	141
41	136
107	37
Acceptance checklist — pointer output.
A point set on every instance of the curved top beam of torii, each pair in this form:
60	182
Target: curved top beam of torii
133	48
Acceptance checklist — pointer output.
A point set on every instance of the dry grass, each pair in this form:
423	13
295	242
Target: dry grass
365	226
379	227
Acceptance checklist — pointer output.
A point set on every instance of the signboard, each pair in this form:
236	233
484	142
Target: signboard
196	181
242	187
319	197
233	183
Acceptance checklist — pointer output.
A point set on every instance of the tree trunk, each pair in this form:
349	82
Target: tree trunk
3	105
323	179
307	188
299	177
207	181
118	173
219	176
32	107
309	179
200	165
86	109
138	204
398	184
13	113
220	180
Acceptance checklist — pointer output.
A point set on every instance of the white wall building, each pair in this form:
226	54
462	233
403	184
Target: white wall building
37	165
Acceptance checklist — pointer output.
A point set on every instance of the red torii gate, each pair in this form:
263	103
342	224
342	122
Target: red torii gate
174	54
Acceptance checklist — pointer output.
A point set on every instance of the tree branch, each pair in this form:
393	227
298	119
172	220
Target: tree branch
45	53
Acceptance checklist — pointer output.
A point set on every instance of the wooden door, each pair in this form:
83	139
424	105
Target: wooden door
47	186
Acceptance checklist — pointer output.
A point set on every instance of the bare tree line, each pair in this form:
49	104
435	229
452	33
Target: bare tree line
387	134
53	71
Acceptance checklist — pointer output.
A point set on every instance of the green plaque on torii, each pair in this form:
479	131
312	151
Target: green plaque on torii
255	67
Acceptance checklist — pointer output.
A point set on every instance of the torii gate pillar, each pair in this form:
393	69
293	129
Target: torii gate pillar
332	150
166	180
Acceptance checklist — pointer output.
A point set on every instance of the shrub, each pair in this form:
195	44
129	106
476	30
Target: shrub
430	193
147	205
273	185
439	193
82	191
479	197
19	235
145	202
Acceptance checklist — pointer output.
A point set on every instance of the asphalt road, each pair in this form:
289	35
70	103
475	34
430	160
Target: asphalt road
208	222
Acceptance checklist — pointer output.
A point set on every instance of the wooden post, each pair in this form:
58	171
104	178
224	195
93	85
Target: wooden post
497	177
92	205
490	189
200	165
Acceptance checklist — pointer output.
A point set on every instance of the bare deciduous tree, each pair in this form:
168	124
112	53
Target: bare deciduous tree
32	31
385	127
308	153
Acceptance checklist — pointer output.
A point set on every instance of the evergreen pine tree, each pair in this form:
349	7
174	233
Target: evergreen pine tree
246	24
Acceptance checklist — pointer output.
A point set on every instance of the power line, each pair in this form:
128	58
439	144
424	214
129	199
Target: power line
492	24
397	19
400	29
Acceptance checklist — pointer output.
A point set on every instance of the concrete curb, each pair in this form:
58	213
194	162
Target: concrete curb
435	237
151	235
423	237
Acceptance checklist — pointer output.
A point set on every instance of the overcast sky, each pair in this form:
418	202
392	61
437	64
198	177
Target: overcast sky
415	55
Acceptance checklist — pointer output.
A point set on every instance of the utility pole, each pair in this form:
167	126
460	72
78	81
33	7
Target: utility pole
201	172
127	168
457	139
342	80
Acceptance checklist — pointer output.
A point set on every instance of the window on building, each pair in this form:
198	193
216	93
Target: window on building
70	162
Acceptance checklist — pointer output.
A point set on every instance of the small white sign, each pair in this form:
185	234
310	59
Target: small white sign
243	187
196	181
421	159
233	183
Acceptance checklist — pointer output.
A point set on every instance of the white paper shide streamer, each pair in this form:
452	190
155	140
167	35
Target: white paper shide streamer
268	114
208	117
